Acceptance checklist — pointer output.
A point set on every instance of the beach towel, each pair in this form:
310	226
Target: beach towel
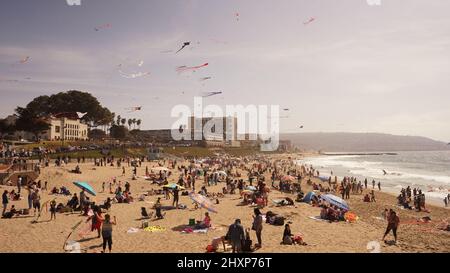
205	230
317	218
155	229
132	230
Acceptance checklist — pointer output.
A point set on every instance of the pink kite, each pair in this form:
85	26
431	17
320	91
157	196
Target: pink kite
183	68
102	27
24	60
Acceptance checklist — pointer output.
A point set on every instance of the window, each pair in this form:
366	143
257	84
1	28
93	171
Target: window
57	129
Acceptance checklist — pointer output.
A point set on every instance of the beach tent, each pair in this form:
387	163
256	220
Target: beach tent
324	178
307	198
85	186
336	201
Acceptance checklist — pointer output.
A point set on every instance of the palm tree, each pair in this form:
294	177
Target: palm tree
119	118
138	123
123	121
130	121
134	123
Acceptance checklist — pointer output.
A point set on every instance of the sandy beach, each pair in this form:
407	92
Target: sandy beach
20	235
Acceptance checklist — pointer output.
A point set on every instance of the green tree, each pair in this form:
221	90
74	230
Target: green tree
28	121
118	132
5	128
123	121
138	123
119	118
130	121
71	101
96	134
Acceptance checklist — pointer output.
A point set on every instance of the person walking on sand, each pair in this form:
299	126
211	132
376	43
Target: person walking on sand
372	196
393	222
123	171
175	197
19	183
107	229
103	186
236	235
373	184
257	226
379	185
446	201
4	201
365	183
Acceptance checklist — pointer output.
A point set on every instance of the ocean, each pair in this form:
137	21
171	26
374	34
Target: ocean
429	171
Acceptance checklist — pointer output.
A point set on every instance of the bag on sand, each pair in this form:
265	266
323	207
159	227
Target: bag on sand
287	240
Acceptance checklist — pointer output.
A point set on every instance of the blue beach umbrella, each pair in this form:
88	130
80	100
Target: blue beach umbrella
85	186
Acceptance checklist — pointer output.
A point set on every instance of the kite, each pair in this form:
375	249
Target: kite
309	21
205	79
301	127
185	44
286	109
141	63
81	115
133	75
237	16
73	229
210	94
183	68
134	109
24	60
98	28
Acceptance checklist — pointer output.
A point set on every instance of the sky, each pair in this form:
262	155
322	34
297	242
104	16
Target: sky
355	68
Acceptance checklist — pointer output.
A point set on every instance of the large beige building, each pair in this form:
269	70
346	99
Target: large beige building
65	127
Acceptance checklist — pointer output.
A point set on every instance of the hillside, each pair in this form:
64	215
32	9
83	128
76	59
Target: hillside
362	142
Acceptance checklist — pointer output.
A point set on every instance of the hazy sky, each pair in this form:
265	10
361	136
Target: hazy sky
356	68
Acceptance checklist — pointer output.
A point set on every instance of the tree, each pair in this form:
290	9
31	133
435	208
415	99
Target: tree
130	121
119	118
96	134
118	132
138	123
5	128
123	121
71	101
134	123
27	121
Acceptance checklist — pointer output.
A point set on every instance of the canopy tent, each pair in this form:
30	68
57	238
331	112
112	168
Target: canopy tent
336	201
85	186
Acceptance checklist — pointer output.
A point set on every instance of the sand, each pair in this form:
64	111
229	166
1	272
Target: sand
20	235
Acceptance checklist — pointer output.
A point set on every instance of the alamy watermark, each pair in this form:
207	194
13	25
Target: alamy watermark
234	123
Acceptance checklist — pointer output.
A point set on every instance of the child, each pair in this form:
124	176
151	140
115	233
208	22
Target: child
53	209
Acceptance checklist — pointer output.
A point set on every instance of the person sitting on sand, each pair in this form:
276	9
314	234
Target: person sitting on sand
206	223
73	203
366	198
288	238
158	209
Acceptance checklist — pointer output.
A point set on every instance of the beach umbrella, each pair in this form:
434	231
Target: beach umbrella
173	186
85	186
202	201
336	201
157	169
288	178
247	192
221	173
